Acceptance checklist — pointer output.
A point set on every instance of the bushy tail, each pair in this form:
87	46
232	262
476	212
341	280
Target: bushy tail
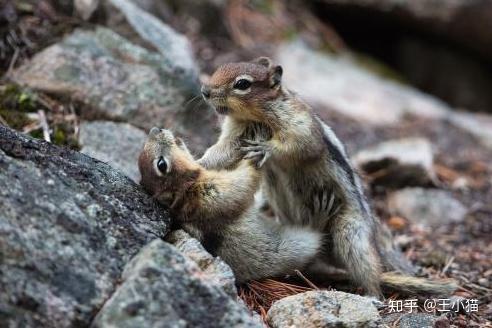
299	243
257	248
415	285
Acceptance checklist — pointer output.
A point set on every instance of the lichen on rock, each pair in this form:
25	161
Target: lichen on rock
68	225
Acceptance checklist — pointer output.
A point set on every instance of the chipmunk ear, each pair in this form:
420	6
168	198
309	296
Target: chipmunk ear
264	61
276	76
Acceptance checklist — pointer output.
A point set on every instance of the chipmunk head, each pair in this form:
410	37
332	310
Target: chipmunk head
241	89
166	166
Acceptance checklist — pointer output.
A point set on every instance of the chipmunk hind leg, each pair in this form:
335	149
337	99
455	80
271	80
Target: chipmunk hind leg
354	249
392	258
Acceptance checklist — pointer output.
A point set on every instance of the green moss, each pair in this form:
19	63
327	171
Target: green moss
63	136
15	104
15	119
264	6
38	134
14	97
59	136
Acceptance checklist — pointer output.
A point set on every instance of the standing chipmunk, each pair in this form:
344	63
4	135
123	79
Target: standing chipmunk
307	176
216	207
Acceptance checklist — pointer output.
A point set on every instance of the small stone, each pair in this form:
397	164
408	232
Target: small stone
418	320
441	322
397	222
214	266
428	207
85	8
315	309
484	282
398	163
118	144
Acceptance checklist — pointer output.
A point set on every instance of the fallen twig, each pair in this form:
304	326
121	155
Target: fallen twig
3	121
448	264
306	280
13	61
44	125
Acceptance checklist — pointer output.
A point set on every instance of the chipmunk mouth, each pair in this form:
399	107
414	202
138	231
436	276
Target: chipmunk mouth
222	110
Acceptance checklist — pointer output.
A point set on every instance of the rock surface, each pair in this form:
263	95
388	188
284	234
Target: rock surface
398	163
68	225
118	144
111	78
162	288
479	125
428	207
173	46
422	320
217	269
316	309
351	89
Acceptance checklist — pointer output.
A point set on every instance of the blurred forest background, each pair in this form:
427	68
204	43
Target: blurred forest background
407	85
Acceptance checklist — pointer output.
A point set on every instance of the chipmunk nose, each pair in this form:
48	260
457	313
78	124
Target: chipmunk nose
205	92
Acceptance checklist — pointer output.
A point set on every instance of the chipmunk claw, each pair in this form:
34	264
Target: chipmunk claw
258	151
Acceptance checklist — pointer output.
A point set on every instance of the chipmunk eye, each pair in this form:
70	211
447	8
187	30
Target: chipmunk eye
162	165
242	84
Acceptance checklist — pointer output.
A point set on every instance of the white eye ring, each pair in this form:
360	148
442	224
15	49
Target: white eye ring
242	77
156	166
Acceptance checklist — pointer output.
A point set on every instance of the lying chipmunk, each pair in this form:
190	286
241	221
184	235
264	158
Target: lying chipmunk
217	208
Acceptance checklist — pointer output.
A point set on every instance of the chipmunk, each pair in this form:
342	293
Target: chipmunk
307	177
217	208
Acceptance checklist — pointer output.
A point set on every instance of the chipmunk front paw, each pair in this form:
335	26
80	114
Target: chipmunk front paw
258	151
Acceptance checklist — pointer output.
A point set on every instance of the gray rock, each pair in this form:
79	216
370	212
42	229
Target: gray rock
85	8
173	46
478	125
111	78
217	269
315	309
421	320
428	207
68	225
406	162
162	288
118	144
351	89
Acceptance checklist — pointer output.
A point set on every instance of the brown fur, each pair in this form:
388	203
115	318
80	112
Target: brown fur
189	189
217	207
247	107
307	176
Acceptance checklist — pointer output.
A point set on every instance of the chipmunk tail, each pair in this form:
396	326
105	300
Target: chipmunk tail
416	285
